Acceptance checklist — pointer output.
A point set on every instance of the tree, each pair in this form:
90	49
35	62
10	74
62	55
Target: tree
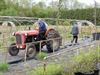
2	5
53	4
40	4
72	4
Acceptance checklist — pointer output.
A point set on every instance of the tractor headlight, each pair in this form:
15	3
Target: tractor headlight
26	34
21	46
13	33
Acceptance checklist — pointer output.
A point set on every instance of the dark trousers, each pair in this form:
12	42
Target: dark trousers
75	37
41	35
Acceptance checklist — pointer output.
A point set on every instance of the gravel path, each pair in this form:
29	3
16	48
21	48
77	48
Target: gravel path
21	68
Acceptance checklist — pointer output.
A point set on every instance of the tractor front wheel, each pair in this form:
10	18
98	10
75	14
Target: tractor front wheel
13	50
31	51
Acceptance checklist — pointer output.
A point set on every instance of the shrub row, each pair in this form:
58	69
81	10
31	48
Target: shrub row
84	62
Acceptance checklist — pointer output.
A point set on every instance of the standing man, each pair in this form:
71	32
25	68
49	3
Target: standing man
42	26
75	32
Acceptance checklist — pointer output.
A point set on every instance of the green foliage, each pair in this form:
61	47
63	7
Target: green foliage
87	61
41	55
84	62
9	12
67	23
2	5
12	39
3	67
40	10
51	69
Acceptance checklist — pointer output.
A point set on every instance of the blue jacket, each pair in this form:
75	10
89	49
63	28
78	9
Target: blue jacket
42	26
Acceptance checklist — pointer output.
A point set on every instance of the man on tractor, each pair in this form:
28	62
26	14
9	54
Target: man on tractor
31	36
42	26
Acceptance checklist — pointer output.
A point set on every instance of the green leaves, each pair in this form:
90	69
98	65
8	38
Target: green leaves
51	69
3	67
41	56
86	62
2	4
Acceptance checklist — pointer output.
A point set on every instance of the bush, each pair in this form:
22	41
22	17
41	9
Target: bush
85	62
51	69
9	12
41	55
3	67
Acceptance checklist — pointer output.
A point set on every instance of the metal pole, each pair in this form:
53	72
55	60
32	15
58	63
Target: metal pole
95	18
59	11
52	3
53	45
95	12
25	57
40	46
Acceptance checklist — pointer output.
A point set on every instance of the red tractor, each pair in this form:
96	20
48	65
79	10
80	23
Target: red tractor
29	37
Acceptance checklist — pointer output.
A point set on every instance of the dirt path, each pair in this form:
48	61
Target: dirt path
21	68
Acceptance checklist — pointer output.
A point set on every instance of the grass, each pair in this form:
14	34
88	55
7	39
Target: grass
11	39
3	67
41	55
51	69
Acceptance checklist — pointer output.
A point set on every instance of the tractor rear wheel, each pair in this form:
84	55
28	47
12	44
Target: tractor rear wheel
13	50
54	43
31	51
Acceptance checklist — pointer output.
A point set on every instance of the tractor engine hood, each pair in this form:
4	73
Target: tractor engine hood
29	32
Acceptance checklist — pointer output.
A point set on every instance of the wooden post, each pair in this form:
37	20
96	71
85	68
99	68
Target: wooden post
25	57
40	46
44	68
95	10
6	51
98	49
4	47
77	52
53	45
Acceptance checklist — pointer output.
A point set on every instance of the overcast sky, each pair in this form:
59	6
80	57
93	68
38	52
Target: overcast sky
88	2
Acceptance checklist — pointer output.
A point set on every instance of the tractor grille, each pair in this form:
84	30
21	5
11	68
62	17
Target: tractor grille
18	39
